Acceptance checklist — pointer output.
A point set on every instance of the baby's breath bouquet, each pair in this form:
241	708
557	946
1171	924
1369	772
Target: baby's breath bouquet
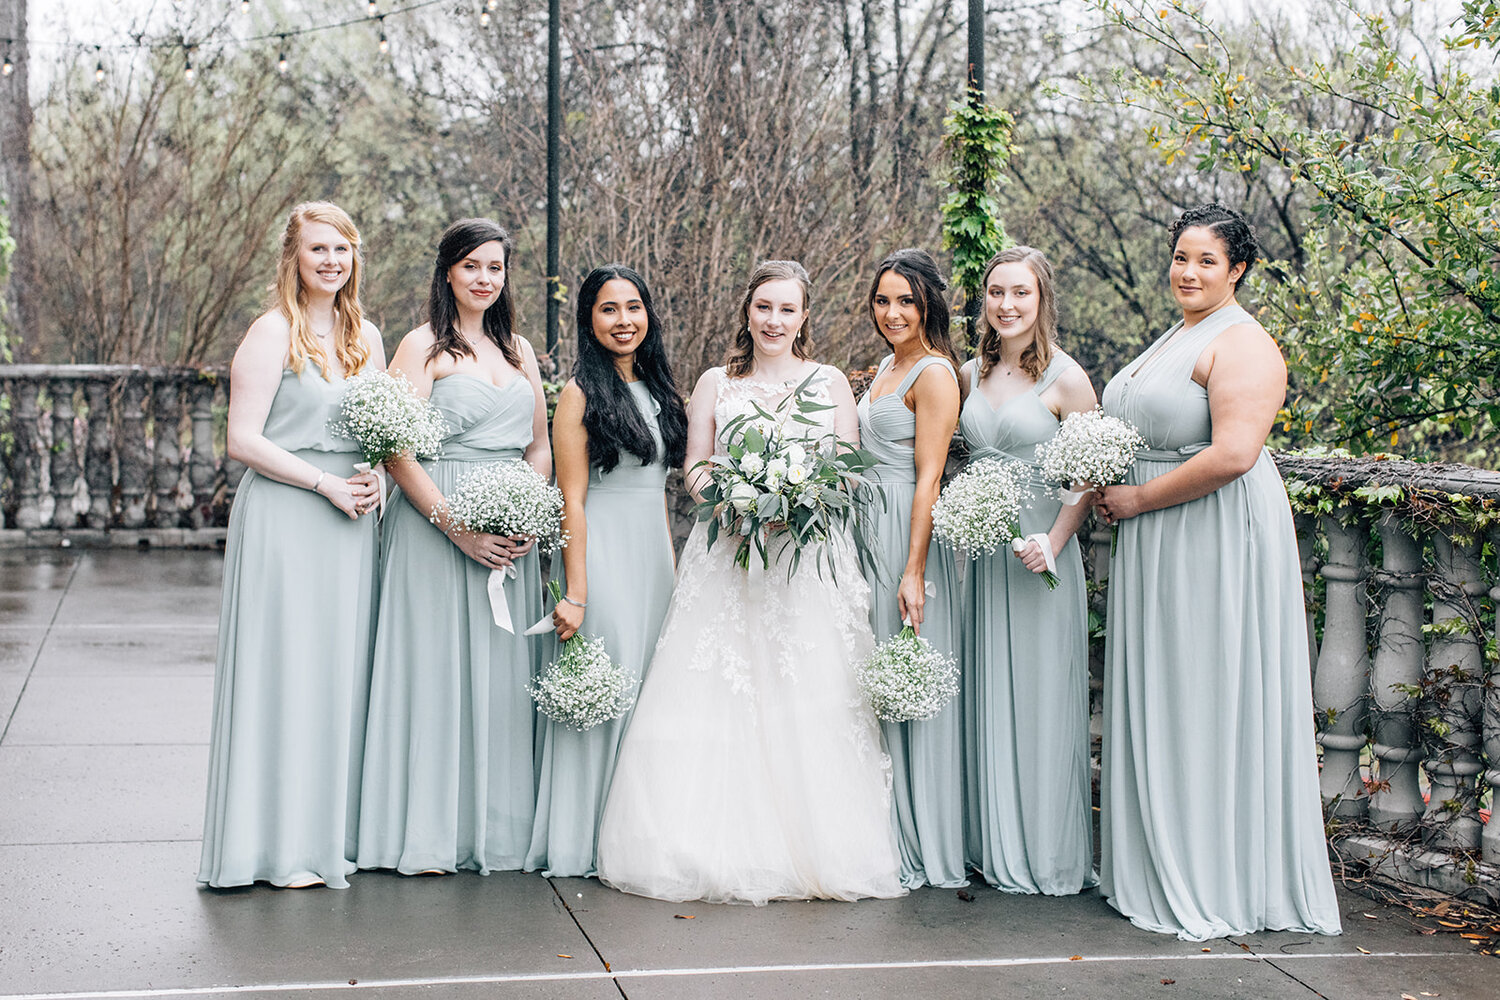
508	498
906	679
980	508
1089	448
583	687
385	417
774	479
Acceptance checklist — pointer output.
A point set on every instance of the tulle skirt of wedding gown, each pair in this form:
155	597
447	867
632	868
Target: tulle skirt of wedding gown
753	768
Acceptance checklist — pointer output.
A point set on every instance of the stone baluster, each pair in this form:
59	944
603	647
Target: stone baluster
1455	668
166	409
1490	839
64	466
1307	529
26	468
201	463
135	459
98	462
1341	682
1396	802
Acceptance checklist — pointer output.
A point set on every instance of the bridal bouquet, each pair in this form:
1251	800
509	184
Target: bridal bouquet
774	480
980	509
508	498
906	679
1089	448
583	687
385	417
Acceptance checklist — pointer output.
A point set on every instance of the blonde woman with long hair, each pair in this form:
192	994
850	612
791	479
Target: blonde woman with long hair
299	579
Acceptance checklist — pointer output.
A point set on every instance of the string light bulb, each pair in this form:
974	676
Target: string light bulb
187	70
492	4
8	67
385	46
244	6
484	18
99	72
373	8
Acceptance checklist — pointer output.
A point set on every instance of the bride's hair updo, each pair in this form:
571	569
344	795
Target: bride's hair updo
741	356
1237	235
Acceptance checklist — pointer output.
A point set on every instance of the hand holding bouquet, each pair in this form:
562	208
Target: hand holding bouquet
774	480
512	499
385	417
583	687
980	508
1089	448
906	679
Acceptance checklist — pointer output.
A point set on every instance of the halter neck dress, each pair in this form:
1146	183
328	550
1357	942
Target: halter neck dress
927	756
448	778
630	572
1212	824
1025	657
295	626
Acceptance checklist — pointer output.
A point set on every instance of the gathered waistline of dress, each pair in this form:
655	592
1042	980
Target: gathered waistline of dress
1177	455
608	487
477	458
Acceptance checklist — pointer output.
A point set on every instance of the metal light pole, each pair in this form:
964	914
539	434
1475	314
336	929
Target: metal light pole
974	303
554	144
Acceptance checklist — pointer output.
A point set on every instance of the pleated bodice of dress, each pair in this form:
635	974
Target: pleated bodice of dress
887	428
1157	394
1012	430
304	410
486	423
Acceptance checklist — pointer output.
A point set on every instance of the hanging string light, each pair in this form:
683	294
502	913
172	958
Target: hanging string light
187	67
373	8
99	71
492	4
244	6
281	59
8	67
385	46
484	17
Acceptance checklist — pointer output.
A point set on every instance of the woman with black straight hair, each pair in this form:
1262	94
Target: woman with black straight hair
620	425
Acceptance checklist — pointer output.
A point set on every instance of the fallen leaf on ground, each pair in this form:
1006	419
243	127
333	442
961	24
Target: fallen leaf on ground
1361	950
1168	982
967	897
564	956
1429	931
1205	949
1075	958
1371	916
683	916
1449	923
1475	937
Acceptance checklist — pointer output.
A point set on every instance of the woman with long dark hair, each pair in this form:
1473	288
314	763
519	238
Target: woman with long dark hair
299	579
1211	826
1026	648
906	419
619	426
448	779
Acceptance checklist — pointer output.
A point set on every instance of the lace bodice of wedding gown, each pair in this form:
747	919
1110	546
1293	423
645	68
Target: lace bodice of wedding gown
739	396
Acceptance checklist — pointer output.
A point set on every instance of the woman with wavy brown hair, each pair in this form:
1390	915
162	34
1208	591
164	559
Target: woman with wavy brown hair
299	579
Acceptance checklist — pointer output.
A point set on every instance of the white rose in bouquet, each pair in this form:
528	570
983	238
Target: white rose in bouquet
742	495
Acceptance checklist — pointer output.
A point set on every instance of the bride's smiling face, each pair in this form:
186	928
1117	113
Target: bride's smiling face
777	314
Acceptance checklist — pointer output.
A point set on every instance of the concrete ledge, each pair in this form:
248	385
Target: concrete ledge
117	538
1473	881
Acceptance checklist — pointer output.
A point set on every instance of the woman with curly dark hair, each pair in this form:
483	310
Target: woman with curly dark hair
1212	825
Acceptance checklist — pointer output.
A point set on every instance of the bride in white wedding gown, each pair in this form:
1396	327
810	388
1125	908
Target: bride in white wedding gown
753	769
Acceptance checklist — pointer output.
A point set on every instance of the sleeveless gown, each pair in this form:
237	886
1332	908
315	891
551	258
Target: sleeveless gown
295	626
448	778
752	769
629	562
1212	825
926	757
1026	678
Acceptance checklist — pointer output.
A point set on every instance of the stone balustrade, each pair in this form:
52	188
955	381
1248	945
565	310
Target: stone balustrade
1398	560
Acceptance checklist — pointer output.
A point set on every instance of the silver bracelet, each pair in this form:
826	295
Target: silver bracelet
319	481
576	604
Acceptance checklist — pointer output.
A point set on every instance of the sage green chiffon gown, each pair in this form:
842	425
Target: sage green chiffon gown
1212	824
927	756
1026	677
290	687
448	778
629	564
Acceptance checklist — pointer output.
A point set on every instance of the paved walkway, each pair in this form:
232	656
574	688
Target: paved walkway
106	671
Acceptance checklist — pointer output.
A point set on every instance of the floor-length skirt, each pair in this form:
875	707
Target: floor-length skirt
291	685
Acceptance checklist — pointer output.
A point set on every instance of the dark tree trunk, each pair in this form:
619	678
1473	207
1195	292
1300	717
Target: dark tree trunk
15	175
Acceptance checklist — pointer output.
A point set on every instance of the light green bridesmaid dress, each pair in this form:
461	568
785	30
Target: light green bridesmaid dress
448	778
629	562
1026	677
292	679
926	757
1212	824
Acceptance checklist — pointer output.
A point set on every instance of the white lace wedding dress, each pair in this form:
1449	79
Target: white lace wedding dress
753	769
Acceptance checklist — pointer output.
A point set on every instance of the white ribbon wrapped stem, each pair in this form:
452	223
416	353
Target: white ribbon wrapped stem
379	471
1072	498
1018	545
499	606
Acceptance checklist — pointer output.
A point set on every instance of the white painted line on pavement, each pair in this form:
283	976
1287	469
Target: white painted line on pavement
728	970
